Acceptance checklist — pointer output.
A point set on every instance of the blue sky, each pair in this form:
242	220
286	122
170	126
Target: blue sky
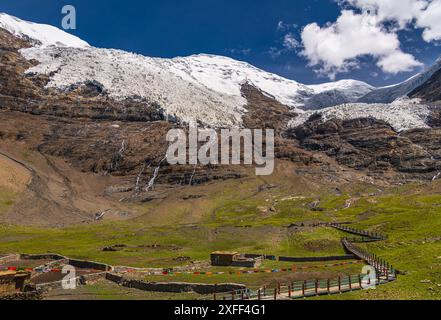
248	30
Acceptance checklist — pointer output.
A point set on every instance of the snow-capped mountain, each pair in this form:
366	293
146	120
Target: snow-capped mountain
227	75
390	93
40	35
201	88
205	85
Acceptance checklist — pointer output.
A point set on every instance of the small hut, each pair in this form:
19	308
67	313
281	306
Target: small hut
234	259
223	259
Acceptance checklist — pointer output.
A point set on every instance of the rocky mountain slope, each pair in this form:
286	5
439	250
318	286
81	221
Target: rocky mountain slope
207	88
391	93
91	124
430	90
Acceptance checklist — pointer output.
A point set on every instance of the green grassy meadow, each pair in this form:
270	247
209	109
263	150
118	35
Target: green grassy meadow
410	215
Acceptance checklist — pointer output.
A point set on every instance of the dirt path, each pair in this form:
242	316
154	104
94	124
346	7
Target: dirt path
13	174
42	198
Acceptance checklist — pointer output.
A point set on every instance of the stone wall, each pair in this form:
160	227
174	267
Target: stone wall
47	256
81	280
8	258
263	256
34	295
175	287
89	265
318	259
300	259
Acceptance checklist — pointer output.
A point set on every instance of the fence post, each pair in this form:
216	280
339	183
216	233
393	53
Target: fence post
258	295
339	284
350	283
316	286
359	281
289	291
243	295
303	288
279	289
329	286
264	291
275	293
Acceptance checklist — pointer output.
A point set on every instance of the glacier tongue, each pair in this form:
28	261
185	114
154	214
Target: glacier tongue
42	35
124	75
403	114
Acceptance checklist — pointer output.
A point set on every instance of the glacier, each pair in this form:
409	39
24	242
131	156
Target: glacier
204	88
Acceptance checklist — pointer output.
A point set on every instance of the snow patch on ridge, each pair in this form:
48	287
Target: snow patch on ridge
403	114
390	93
227	75
42	35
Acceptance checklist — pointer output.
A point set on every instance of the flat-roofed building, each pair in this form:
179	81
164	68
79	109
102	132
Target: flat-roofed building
12	282
234	259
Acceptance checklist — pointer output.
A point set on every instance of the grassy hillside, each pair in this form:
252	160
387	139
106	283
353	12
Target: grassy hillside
257	222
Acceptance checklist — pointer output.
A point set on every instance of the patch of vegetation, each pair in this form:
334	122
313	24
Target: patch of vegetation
7	200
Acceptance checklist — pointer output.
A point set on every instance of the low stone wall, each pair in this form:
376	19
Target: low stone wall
318	259
73	262
249	263
263	256
175	287
89	265
81	280
46	256
8	258
299	259
21	296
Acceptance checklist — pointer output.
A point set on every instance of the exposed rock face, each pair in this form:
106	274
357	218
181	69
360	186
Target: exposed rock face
94	134
127	138
370	144
431	90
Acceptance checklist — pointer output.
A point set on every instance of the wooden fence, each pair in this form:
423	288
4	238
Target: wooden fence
305	289
384	274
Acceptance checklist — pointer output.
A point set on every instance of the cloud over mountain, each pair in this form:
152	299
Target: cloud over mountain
370	28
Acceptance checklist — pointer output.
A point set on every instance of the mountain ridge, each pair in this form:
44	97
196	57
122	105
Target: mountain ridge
221	74
207	89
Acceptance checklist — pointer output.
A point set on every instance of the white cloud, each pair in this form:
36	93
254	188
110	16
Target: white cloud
337	46
283	26
430	20
401	11
425	14
243	52
369	28
290	42
398	62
